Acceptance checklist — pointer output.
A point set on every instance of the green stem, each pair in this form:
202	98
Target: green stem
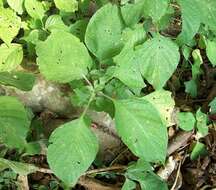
89	102
106	96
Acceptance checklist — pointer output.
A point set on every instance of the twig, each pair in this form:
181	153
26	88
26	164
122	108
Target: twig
23	182
93	184
118	156
100	170
177	176
44	170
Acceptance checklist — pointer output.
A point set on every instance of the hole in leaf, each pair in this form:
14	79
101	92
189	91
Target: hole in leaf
78	162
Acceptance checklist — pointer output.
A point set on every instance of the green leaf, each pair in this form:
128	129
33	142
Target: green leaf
10	25
152	181
164	104
210	51
127	69
139	125
158	59
155	9
201	124
16	5
186	120
129	185
55	22
190	21
142	172
198	150
132	13
128	72
35	9
137	167
75	145
213	106
18	167
21	80
207	10
14	122
103	33
67	5
62	57
191	87
10	56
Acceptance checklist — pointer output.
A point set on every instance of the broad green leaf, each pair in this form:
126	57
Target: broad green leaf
211	51
213	106
21	80
127	69
67	5
207	11
116	89
55	22
10	56
10	25
141	128
186	120
16	5
75	145
103	33
190	20
142	172
201	125
62	57
165	20
139	166
152	181
9	136
35	9
129	185
14	122
155	8
132	13
18	167
198	150
191	87
164	104
158	59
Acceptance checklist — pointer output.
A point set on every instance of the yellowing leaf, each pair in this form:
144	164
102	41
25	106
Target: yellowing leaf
35	9
164	104
67	5
16	5
10	25
10	56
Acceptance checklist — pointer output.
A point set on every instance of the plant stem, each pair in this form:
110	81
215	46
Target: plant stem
89	102
106	96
